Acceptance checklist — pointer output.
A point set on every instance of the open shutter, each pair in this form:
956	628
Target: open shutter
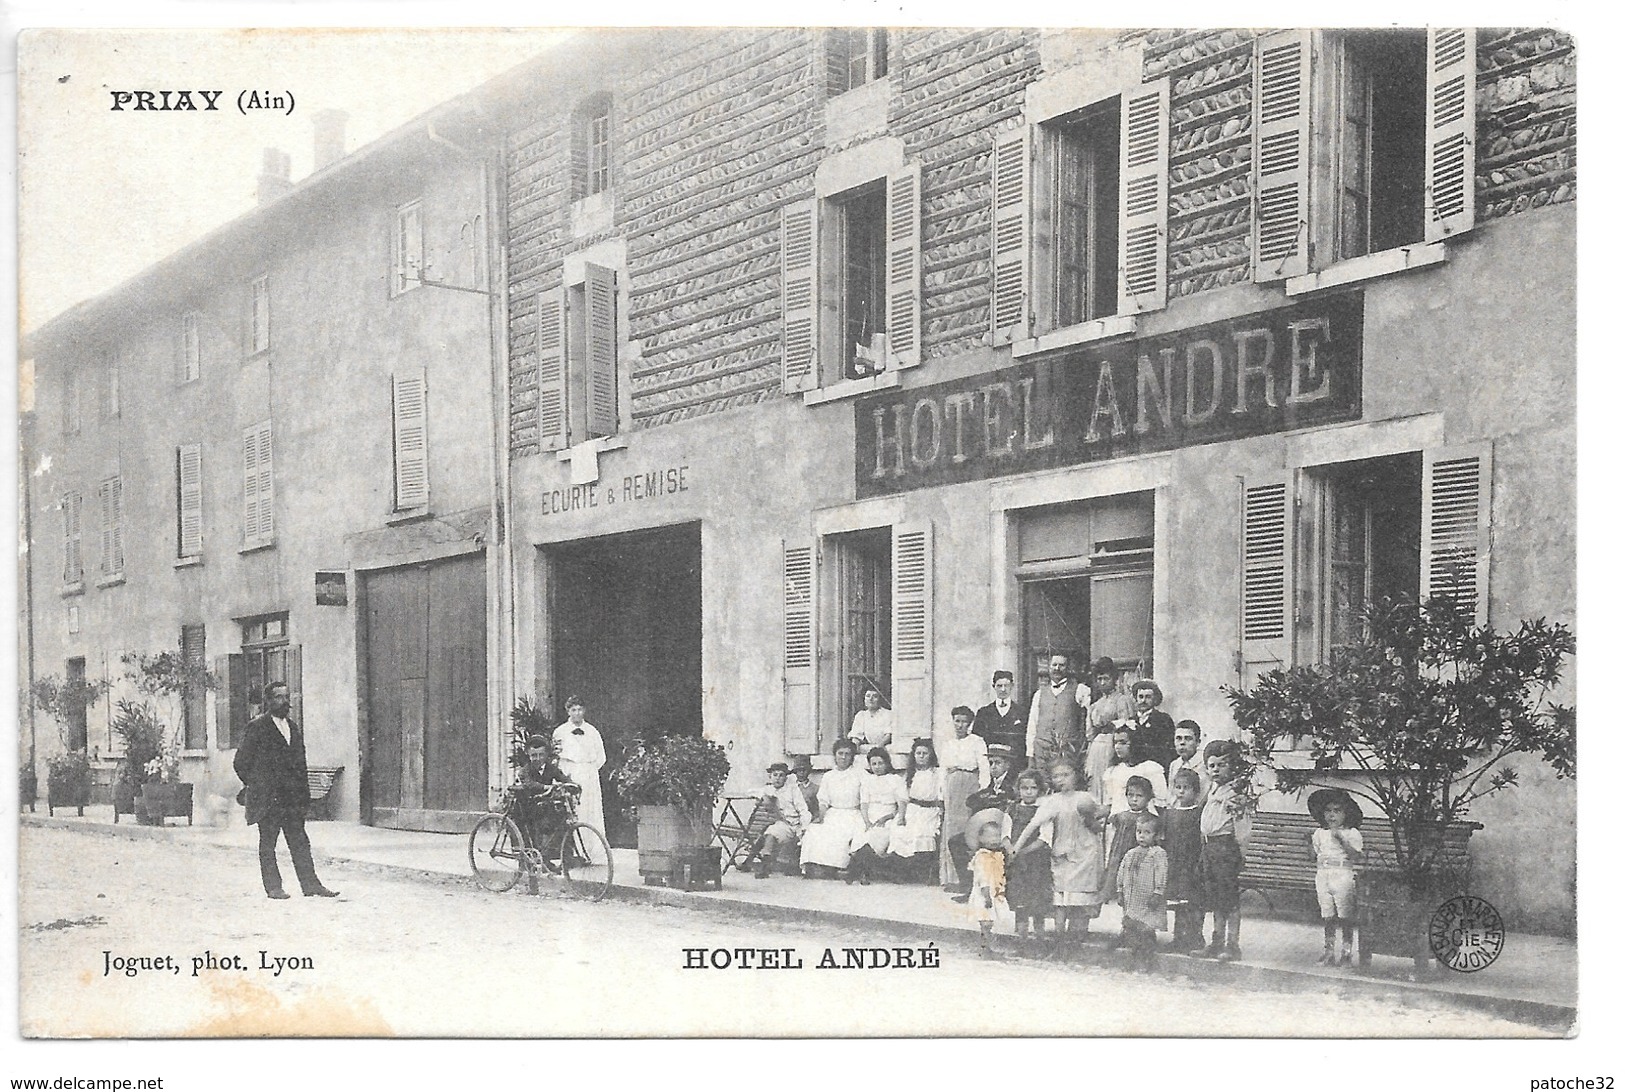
1142	282
800	286
603	414
911	629
294	677
837	61
251	484
903	265
551	419
411	441
800	649
1011	153
230	700
1281	156
1267	523
109	496
189	500
73	564
1448	170
1456	527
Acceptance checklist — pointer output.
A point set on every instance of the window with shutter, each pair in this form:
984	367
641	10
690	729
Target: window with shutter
189	501
1267	556
1281	105
550	368
590	147
854	57
1010	252
110	388
912	625
1451	119
406	248
259	314
799	238
599	356
1143	200
903	266
230	700
410	413
73	565
1456	528
72	403
800	650
194	696
110	497
258	487
190	365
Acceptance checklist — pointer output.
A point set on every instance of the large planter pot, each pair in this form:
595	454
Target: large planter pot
124	794
1394	918
67	791
663	830
27	787
160	800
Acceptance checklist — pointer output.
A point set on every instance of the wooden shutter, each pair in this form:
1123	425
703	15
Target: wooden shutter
1281	105
603	411
1268	517
189	500
258	485
1142	282
911	629
191	348
73	562
1448	170
411	417
800	649
837	61
800	287
110	495
293	675
230	700
1456	527
551	388
193	698
903	265
1011	155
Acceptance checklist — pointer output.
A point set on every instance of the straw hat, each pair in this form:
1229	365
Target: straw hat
974	825
1320	798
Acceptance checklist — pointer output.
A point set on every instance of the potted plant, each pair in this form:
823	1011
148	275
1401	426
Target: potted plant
67	783
672	783
67	779
140	738
167	681
1424	712
27	785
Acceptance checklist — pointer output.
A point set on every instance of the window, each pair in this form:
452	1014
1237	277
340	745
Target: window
190	364
266	657
192	708
590	147
860	567
259	487
73	563
410	416
110	391
578	359
72	407
854	57
1080	203
189	501
860	249
1369	153
406	248
259	315
110	502
1323	544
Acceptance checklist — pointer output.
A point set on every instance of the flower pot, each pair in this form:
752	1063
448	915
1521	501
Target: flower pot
1394	918
124	793
159	800
664	830
67	790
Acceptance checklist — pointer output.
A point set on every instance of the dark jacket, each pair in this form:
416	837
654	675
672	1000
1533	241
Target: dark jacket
271	769
1156	734
1000	793
1010	729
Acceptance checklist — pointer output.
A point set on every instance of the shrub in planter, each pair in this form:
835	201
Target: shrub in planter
68	781
27	786
673	782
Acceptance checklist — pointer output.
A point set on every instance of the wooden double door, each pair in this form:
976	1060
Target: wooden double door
425	655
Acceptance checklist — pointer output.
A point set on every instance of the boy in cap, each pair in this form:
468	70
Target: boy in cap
790	818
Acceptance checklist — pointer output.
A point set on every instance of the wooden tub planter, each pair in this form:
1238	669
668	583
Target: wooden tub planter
161	800
670	840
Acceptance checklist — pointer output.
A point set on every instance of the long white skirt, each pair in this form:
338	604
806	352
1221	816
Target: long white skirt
828	842
591	807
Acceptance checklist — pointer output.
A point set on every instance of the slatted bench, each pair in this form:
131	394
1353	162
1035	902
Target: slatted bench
320	779
1278	856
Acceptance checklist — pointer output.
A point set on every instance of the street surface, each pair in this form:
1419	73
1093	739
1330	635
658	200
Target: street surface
394	956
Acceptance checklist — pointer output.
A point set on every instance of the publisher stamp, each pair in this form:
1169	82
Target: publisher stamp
1466	934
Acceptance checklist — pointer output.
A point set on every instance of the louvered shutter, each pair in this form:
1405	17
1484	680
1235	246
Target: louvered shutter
602	408
800	649
1142	283
1011	257
1267	525
911	630
189	500
411	441
73	564
1281	105
551	389
800	286
1456	527
258	486
111	501
903	265
837	61
293	675
230	700
1448	170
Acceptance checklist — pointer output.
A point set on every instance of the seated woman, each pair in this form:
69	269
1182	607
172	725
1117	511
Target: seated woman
882	796
911	856
827	845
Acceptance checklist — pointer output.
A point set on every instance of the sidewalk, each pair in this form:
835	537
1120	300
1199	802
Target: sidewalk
1534	980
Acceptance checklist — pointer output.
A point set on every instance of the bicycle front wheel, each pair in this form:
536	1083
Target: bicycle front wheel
585	863
496	852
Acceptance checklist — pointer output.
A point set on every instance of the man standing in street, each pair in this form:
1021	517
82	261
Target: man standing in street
271	765
1003	721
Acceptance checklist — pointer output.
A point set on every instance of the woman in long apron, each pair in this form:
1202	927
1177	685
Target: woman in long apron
580	751
965	769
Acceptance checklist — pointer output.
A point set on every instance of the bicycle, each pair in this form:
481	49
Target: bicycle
576	855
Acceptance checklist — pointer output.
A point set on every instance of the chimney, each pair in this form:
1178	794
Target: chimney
329	126
274	175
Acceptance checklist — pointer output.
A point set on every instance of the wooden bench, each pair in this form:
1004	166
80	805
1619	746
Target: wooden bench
1278	856
320	779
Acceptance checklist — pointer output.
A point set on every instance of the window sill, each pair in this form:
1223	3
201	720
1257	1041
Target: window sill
188	562
110	581
1368	266
256	547
1084	332
195	752
76	588
407	515
851	388
256	355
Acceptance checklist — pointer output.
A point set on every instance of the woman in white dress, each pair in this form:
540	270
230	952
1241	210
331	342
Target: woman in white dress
912	852
580	751
965	769
872	725
827	845
882	797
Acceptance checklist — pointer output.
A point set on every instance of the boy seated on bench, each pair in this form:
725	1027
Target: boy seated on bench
542	788
790	817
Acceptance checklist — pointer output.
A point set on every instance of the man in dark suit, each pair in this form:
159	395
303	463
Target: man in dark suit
271	765
1004	721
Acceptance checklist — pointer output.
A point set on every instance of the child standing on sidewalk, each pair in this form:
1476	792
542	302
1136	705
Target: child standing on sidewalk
1071	820
1030	888
1338	847
1221	849
1182	838
984	831
1143	880
1120	838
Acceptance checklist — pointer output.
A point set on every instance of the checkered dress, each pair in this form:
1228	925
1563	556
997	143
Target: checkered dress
1144	873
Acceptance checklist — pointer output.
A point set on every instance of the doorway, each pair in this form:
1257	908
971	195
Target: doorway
623	634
